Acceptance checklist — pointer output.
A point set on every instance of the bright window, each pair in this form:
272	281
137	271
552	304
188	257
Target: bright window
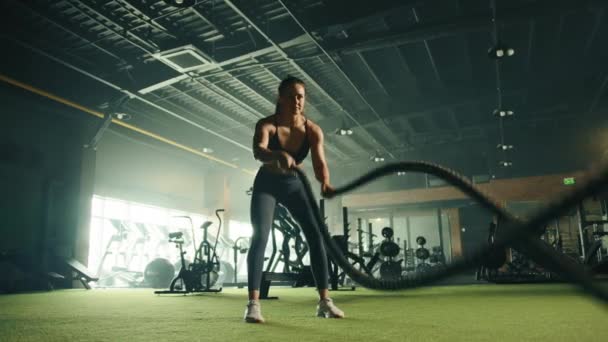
126	236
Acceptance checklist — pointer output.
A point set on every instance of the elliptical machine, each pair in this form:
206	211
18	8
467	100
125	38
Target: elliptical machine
202	274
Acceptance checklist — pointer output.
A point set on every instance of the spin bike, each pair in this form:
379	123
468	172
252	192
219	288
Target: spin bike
202	274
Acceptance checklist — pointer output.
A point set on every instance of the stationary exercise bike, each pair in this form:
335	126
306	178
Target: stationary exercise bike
202	274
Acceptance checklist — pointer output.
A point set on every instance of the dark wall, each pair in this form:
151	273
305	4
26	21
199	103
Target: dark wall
475	221
40	162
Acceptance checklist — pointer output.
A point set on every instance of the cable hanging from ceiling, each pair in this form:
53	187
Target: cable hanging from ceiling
498	52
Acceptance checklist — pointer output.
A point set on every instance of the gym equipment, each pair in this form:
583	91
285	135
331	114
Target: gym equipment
202	274
126	254
285	224
295	273
497	256
226	272
518	234
82	273
21	271
494	259
337	277
520	270
437	256
371	246
389	269
388	247
497	269
159	273
369	253
114	248
241	246
358	259
593	236
387	232
302	278
409	255
372	254
422	254
360	236
421	240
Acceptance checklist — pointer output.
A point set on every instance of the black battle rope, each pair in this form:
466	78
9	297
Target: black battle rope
518	234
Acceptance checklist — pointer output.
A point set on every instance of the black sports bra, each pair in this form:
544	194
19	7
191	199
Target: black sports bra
274	144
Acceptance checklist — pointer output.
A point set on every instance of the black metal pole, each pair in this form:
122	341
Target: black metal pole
345	229
371	238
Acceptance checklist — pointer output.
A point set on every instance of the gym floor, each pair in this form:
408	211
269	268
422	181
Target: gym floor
547	312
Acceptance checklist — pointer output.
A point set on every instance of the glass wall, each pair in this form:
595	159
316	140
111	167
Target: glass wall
126	236
407	225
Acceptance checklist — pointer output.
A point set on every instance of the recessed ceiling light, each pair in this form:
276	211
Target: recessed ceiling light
122	116
181	3
500	50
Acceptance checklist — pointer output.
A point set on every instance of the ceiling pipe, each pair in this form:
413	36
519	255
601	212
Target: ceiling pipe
299	69
126	92
350	82
118	122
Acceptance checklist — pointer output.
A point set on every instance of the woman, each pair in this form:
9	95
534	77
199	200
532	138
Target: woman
281	142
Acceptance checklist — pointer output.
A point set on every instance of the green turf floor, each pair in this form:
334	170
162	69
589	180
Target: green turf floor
444	313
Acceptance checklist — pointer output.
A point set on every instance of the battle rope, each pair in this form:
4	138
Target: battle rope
518	234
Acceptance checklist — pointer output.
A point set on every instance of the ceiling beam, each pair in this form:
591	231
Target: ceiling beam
205	109
598	94
597	20
455	99
428	51
391	135
457	25
297	67
483	130
531	34
132	95
347	13
122	31
201	13
202	16
430	120
373	74
221	67
36	9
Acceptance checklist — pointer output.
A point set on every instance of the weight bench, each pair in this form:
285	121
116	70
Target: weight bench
82	272
268	277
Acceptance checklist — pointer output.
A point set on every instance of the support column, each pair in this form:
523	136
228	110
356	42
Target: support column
85	198
455	230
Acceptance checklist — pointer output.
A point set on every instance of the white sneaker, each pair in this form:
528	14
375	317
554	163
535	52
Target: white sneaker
327	309
253	313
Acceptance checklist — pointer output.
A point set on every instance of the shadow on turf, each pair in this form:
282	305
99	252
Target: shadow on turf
422	292
231	296
491	290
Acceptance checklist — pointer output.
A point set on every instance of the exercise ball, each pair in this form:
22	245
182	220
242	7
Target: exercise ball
159	273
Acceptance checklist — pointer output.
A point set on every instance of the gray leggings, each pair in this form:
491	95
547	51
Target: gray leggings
268	189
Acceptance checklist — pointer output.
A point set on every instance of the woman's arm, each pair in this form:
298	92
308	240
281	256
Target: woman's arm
261	151
318	158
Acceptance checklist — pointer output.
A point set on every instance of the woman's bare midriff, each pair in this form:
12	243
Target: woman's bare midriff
274	168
